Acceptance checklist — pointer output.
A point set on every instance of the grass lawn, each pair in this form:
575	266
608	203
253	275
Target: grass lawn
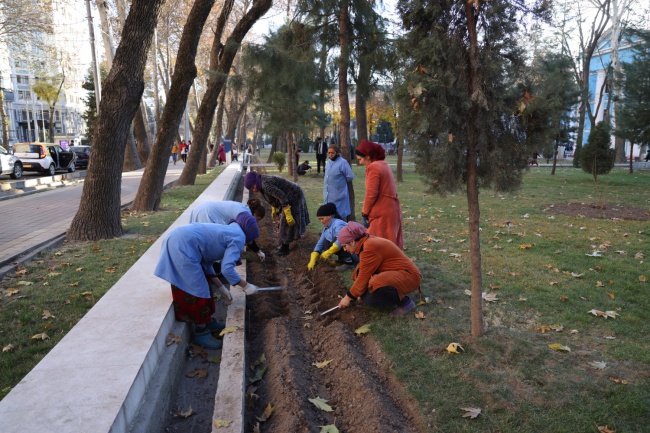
542	271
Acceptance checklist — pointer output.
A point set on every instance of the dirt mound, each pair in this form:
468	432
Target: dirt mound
286	327
600	211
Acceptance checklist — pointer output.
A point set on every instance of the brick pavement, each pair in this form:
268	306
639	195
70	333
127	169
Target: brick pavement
31	221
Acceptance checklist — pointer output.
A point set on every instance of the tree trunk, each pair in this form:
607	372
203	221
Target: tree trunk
209	101
219	127
3	118
274	148
131	158
99	216
362	114
472	178
141	134
580	135
344	59
554	157
151	187
632	156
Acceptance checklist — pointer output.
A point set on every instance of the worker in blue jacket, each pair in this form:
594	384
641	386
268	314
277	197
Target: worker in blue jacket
335	186
328	243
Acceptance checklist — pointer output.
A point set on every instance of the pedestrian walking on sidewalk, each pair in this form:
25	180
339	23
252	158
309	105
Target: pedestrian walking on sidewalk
384	276
175	153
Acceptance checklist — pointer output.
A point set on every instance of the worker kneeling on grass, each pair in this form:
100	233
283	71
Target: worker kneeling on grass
384	276
186	260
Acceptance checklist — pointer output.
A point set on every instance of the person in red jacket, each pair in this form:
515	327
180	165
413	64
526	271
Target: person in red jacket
381	212
184	150
384	276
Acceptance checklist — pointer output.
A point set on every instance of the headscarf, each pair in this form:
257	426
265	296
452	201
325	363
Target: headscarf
328	209
352	232
252	178
248	224
371	149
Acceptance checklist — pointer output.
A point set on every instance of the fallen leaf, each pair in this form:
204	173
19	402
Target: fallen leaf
321	364
643	278
495	286
553	283
227	330
12	292
75	284
426	301
54	274
611	295
331	428
258	361
419	315
222	423
259	374
198	372
184	413
79	269
619	380
87	293
257	428
267	413
522	299
611	314
575	275
467	292
24	283
599	284
47	315
8	348
42	336
525	246
559	347
215	359
321	404
362	330
599	365
453	348
594	254
471	412
490	297
173	339
639	255
605	429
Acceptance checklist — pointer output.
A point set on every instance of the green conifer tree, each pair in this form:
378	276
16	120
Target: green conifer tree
597	156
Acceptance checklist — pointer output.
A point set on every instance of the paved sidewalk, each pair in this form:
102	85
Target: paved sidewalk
30	222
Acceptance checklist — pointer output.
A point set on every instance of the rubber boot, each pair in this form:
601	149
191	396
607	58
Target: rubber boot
204	338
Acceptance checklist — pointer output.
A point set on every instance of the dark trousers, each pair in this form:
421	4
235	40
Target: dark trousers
321	159
386	296
344	257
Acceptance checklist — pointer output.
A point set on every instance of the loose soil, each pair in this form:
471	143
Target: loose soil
597	211
287	329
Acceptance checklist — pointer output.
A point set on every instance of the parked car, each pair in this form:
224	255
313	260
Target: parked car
10	164
83	155
45	157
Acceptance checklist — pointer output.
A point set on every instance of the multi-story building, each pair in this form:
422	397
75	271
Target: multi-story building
64	55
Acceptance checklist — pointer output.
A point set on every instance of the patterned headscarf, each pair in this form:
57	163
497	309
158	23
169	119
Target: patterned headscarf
248	224
252	178
352	232
371	149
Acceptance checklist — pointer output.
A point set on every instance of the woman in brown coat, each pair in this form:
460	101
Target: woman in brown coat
381	207
384	276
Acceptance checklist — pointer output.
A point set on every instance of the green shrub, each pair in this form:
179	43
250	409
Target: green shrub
597	156
279	160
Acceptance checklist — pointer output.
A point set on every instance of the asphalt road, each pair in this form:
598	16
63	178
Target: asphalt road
30	222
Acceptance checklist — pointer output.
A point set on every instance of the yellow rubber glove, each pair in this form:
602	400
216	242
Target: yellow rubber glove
312	262
333	250
287	214
274	212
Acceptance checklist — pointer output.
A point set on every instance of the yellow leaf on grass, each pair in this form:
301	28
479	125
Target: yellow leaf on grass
8	348
79	269
12	292
362	329
495	286
42	336
643	278
490	297
553	283
47	315
227	330
620	380
525	246
611	295
321	404
600	365
564	298
267	413
599	284
331	428
24	283
454	348
559	347
419	315
605	429
75	284
222	423
471	412
54	274
321	364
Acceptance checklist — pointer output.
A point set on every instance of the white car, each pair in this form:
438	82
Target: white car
10	164
45	157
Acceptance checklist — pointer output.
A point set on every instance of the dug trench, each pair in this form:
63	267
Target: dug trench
286	337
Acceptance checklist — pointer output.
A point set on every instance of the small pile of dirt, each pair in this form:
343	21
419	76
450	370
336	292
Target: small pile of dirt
286	327
600	211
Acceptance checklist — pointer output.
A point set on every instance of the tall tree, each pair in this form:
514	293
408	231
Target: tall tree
633	116
224	56
49	90
99	216
461	59
597	156
150	189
